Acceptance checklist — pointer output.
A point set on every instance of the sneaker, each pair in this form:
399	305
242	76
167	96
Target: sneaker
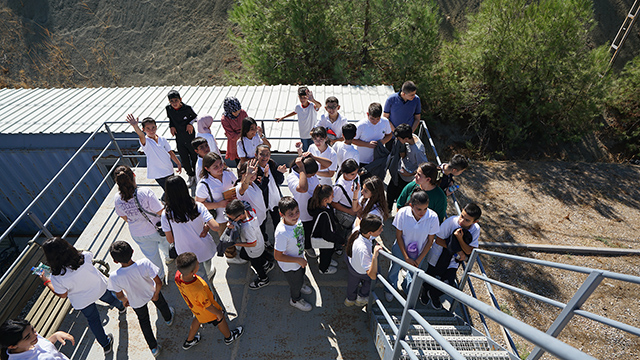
258	283
300	305
339	252
362	301
348	302
424	298
236	260
311	253
109	348
189	344
388	296
191	181
333	263
330	270
268	266
435	302
306	289
155	351
170	322
235	333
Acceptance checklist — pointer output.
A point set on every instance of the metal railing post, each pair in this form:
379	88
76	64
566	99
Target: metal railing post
412	298
587	288
39	224
113	139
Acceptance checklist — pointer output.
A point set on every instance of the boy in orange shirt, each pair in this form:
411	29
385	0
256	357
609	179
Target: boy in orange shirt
199	298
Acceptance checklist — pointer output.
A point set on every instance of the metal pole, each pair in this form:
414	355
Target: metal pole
113	139
39	224
412	298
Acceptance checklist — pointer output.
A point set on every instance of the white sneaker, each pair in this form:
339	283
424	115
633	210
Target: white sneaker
236	260
300	305
361	301
306	289
311	253
333	263
330	270
348	302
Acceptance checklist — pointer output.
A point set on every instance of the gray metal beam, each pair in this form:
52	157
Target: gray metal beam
583	250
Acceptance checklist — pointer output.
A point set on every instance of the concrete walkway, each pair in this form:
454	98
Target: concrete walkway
273	329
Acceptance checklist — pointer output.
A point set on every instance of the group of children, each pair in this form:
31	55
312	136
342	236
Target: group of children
337	205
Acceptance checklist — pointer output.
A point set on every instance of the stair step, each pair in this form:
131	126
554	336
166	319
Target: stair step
469	355
445	330
433	320
461	343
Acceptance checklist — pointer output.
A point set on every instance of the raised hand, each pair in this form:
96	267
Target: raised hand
132	120
282	168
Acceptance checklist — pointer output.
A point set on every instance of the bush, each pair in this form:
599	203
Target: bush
623	100
523	73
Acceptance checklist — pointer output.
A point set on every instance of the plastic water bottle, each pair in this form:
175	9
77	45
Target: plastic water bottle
453	188
412	250
41	269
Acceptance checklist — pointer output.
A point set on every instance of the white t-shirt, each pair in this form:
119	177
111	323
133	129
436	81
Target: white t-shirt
361	255
43	350
338	194
159	163
416	231
250	233
335	126
213	144
344	152
83	286
217	188
136	281
367	132
138	224
187	238
198	168
247	147
328	154
253	195
289	239
302	198
375	210
274	193
306	119
446	229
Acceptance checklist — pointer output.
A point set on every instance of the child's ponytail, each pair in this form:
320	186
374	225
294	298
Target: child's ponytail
369	224
126	182
352	238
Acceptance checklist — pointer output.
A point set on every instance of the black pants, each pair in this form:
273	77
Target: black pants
394	191
188	156
161	182
275	219
446	275
295	280
145	324
256	263
325	259
308	227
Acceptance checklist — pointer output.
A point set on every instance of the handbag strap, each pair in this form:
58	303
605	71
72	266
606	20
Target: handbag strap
318	218
344	191
143	211
208	189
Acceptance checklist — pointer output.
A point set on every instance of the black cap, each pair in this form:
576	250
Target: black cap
173	94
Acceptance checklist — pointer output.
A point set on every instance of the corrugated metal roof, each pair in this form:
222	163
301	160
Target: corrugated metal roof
77	111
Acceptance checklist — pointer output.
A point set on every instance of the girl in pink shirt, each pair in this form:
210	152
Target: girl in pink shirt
232	124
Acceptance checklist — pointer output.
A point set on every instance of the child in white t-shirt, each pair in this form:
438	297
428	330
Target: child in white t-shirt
362	260
373	199
332	120
140	282
371	130
252	241
289	251
345	149
320	148
156	149
184	223
307	112
204	131
250	137
20	341
248	191
202	147
416	227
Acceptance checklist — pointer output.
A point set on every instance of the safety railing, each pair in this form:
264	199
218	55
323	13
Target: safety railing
545	342
571	308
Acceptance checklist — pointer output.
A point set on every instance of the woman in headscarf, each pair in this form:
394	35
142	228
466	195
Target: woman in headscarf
232	124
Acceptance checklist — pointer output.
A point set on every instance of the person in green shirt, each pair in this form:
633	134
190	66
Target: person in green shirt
427	177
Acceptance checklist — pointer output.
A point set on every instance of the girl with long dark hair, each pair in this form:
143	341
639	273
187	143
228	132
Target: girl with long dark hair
362	260
250	138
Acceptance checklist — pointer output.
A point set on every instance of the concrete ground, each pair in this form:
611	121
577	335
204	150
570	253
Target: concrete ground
273	329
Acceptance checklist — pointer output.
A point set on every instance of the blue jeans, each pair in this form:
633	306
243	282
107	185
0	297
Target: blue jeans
306	143
395	268
154	247
93	317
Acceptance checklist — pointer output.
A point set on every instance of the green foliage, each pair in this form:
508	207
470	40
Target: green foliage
337	42
523	72
624	101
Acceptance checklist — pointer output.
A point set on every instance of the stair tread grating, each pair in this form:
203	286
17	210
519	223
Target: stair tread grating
431	320
470	355
461	343
444	330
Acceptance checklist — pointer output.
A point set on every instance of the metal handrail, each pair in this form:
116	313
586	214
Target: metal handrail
529	333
